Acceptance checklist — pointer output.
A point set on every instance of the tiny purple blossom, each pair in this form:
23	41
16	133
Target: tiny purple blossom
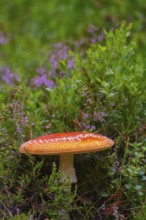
8	77
59	53
101	37
70	64
54	63
86	115
40	70
42	80
26	119
89	101
19	130
93	127
92	29
3	39
99	116
87	127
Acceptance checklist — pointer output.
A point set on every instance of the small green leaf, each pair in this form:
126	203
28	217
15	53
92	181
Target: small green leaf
138	187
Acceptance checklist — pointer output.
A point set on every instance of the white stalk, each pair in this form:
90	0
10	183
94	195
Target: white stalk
66	165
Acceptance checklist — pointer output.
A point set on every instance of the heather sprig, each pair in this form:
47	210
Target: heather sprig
3	39
47	76
42	80
14	119
8	77
95	34
59	53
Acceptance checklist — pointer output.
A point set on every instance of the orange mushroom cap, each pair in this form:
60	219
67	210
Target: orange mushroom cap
65	143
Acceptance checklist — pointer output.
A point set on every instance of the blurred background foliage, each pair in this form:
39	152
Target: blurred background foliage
32	25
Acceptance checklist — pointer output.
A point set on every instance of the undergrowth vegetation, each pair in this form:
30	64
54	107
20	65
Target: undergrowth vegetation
95	82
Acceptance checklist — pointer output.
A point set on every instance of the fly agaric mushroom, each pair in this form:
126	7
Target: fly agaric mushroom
66	145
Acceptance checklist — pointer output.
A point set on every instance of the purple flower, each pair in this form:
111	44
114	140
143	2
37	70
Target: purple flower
18	117
87	126
70	64
26	119
8	77
100	37
93	127
99	116
40	70
94	35
3	39
42	80
54	63
90	101
60	52
19	129
92	29
86	115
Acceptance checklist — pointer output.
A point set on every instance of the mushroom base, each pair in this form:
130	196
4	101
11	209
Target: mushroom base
66	165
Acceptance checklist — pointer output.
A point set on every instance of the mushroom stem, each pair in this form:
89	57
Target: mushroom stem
66	165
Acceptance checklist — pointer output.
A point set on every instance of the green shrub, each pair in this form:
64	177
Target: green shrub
114	76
